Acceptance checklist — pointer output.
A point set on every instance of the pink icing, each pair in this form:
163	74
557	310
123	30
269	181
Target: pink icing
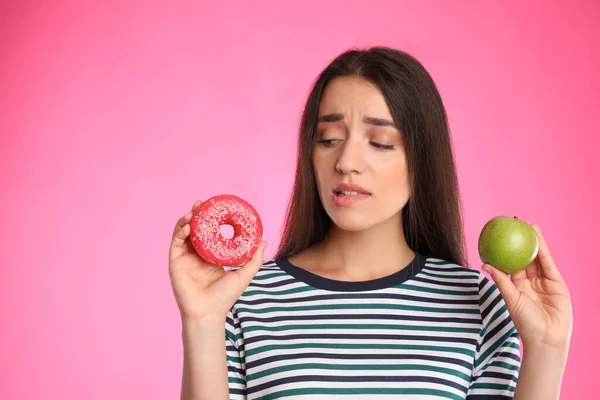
230	211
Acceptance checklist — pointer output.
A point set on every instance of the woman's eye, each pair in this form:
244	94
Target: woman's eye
328	142
383	146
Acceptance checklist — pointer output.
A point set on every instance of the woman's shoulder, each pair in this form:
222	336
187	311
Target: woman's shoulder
471	280
443	269
269	266
449	267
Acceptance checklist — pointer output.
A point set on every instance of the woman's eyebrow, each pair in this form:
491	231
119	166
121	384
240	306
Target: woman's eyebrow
330	118
379	122
366	120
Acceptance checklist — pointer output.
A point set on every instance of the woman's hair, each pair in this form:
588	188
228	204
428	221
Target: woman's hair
432	220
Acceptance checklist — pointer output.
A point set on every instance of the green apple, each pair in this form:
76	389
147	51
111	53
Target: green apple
508	244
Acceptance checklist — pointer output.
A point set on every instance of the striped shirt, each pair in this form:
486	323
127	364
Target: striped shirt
434	330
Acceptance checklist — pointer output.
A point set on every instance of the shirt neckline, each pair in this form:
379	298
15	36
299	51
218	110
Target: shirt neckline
320	282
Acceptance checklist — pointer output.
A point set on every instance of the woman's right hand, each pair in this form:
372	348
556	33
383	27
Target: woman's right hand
203	290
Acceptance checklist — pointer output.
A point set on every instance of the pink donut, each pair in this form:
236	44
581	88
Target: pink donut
206	237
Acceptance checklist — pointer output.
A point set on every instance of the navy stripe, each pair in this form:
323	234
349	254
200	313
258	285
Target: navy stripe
361	337
482	283
229	321
230	348
472	285
512	356
366	317
470	272
235	370
262	361
490	334
256	284
491	306
497	375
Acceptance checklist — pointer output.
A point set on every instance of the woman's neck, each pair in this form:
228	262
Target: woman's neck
358	256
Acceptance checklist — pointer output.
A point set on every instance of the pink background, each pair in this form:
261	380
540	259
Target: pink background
115	117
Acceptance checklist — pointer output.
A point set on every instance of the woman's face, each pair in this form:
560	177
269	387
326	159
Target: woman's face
357	143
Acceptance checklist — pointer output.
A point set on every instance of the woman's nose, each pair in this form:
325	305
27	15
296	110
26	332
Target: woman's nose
351	158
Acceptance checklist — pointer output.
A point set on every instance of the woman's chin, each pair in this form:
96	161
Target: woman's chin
351	223
361	220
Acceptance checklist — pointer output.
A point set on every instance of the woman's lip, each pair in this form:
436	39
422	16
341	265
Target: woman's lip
346	200
349	187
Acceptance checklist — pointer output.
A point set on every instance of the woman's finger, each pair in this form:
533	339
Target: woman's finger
182	221
186	218
533	269
507	288
177	248
545	259
517	276
197	204
251	267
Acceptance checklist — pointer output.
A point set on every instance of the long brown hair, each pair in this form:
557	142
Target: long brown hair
432	219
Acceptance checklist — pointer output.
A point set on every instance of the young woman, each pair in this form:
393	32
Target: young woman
368	295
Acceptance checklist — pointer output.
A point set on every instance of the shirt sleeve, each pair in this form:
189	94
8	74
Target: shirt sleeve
497	359
235	357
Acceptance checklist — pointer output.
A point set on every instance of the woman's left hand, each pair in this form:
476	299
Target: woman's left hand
537	299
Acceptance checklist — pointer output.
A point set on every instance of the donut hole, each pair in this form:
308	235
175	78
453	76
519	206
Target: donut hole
227	231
